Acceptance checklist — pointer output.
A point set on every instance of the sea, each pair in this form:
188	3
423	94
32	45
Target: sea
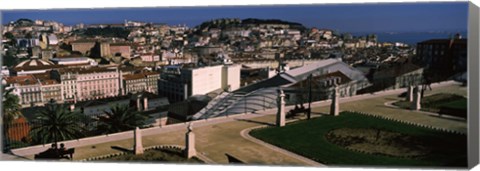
412	38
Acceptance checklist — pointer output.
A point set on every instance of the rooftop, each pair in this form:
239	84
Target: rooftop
70	59
301	73
455	41
22	80
134	76
86	70
343	78
34	62
83	41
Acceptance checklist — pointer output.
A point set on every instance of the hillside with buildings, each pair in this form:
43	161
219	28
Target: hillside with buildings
174	73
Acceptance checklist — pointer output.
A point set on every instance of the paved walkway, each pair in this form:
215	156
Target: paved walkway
212	141
4	157
216	137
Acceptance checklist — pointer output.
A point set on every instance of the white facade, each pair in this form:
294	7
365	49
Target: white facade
97	85
87	84
204	80
68	81
231	77
180	83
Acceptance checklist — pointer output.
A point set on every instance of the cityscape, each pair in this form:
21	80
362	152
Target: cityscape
237	88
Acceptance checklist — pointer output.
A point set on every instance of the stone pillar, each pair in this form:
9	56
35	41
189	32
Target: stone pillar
72	107
190	143
334	107
410	94
281	108
121	90
416	98
145	103
137	143
185	91
139	105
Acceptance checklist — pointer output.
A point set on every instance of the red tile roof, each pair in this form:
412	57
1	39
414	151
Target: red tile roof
133	76
22	80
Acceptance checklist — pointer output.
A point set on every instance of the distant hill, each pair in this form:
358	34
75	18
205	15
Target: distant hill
292	25
268	21
23	22
234	22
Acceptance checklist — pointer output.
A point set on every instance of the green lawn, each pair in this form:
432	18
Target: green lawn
456	104
156	155
450	104
308	138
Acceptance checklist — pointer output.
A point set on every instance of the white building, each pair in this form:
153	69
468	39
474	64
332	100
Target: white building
86	84
27	88
74	61
231	77
203	80
179	83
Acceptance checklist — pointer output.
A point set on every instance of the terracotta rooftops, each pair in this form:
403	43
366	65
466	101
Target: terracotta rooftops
83	41
86	70
133	76
151	73
22	80
45	79
32	68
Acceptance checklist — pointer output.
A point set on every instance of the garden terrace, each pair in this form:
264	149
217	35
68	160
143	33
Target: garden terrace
330	140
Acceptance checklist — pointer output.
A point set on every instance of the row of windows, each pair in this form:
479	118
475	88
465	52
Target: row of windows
98	77
51	88
27	98
135	81
52	94
98	85
29	90
97	92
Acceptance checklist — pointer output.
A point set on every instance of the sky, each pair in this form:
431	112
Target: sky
385	17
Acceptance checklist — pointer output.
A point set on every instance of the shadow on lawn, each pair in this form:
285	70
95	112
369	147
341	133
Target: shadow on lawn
257	122
121	149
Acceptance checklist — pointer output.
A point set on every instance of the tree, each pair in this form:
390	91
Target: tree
11	106
56	123
11	111
120	118
11	38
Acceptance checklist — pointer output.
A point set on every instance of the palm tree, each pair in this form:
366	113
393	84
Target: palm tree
11	111
120	118
11	106
56	123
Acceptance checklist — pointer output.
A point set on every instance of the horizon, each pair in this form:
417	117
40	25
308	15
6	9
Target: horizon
361	18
